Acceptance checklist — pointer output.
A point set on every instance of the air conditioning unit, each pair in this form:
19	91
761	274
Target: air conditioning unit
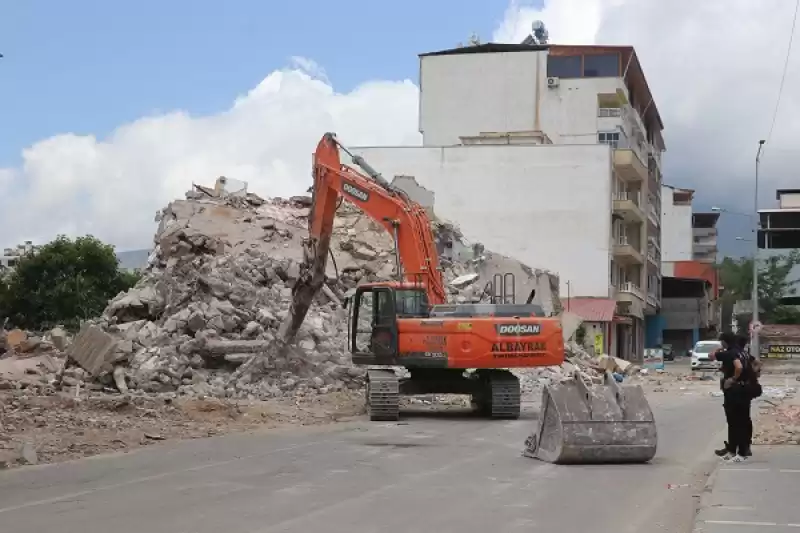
552	82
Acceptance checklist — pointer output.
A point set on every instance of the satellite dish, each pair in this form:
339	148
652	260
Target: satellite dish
540	34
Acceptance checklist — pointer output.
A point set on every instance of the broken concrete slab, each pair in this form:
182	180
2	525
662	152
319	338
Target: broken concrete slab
93	349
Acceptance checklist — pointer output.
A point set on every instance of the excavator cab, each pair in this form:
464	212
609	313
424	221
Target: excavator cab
372	328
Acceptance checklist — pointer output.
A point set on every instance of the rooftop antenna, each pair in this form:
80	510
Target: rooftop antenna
539	34
474	40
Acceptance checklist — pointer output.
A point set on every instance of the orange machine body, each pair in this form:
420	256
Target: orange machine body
480	342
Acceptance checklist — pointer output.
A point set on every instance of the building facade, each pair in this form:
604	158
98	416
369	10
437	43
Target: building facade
11	256
690	310
551	154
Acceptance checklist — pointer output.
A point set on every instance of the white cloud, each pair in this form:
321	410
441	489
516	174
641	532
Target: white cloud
113	187
713	66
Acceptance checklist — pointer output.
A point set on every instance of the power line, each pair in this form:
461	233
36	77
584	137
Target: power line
785	69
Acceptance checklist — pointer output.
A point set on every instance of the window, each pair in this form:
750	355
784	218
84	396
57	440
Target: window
609	137
601	66
564	66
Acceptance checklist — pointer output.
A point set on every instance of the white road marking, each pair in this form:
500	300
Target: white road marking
742	523
781	470
734	507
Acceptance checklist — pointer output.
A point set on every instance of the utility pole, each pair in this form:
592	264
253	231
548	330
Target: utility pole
755	346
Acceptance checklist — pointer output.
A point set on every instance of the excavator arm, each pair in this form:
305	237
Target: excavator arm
407	222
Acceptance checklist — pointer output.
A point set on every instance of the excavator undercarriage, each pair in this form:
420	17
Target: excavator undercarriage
495	393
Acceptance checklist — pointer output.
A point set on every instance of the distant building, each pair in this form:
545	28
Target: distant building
690	310
11	256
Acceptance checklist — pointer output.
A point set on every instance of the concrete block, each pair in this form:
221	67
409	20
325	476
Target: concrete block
93	349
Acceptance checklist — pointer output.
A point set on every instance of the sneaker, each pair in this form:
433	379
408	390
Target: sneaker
728	456
737	459
722	452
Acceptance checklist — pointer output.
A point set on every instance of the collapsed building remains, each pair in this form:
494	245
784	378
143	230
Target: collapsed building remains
219	282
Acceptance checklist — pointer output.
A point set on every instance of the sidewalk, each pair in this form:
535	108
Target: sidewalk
758	496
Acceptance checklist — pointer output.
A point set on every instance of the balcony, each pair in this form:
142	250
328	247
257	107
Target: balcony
630	300
628	166
625	253
627	205
631	288
652	300
653	258
704	233
652	216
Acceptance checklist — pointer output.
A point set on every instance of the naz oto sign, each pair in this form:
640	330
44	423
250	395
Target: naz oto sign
783	351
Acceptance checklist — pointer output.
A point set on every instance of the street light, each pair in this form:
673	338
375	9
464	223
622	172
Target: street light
729	212
755	345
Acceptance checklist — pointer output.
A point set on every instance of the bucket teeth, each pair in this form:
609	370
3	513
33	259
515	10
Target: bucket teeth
593	424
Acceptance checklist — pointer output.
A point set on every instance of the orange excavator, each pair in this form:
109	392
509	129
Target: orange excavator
457	348
408	322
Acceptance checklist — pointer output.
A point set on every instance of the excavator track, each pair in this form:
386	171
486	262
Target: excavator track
383	395
499	395
504	395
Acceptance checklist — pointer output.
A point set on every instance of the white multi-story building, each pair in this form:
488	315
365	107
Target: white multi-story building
685	235
551	154
11	255
690	310
676	225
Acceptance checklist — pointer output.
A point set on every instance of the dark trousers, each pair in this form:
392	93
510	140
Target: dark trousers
740	425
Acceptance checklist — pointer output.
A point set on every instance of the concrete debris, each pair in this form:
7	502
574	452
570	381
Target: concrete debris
219	283
590	367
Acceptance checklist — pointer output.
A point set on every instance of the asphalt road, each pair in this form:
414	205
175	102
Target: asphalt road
428	473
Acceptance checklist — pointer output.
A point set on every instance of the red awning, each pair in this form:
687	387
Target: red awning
591	309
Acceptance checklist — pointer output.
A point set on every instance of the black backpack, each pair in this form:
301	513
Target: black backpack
751	371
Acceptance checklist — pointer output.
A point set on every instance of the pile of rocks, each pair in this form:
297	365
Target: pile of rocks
219	284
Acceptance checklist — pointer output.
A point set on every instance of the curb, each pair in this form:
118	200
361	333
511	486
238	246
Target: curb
704	499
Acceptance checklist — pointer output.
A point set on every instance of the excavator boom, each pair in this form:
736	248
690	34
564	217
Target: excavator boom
407	222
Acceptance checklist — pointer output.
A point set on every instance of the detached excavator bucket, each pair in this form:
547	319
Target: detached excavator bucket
583	423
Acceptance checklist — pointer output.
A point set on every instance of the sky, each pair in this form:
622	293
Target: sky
109	110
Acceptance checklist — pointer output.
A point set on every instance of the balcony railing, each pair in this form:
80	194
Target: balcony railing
633	196
651	214
652	299
609	112
632	289
624	240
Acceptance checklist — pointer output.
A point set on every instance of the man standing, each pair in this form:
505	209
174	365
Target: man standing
736	401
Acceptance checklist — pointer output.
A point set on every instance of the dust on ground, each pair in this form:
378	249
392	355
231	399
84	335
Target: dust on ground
59	427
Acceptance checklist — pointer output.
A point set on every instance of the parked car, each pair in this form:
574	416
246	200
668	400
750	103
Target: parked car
701	355
669	355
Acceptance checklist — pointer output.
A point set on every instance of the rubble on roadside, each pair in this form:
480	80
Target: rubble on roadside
75	422
778	418
219	283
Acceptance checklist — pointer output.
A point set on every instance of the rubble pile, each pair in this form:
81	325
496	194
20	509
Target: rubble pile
219	284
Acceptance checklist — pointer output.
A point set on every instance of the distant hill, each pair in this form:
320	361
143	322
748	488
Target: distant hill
133	259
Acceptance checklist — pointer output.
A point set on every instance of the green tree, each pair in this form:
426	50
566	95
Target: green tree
63	282
774	283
